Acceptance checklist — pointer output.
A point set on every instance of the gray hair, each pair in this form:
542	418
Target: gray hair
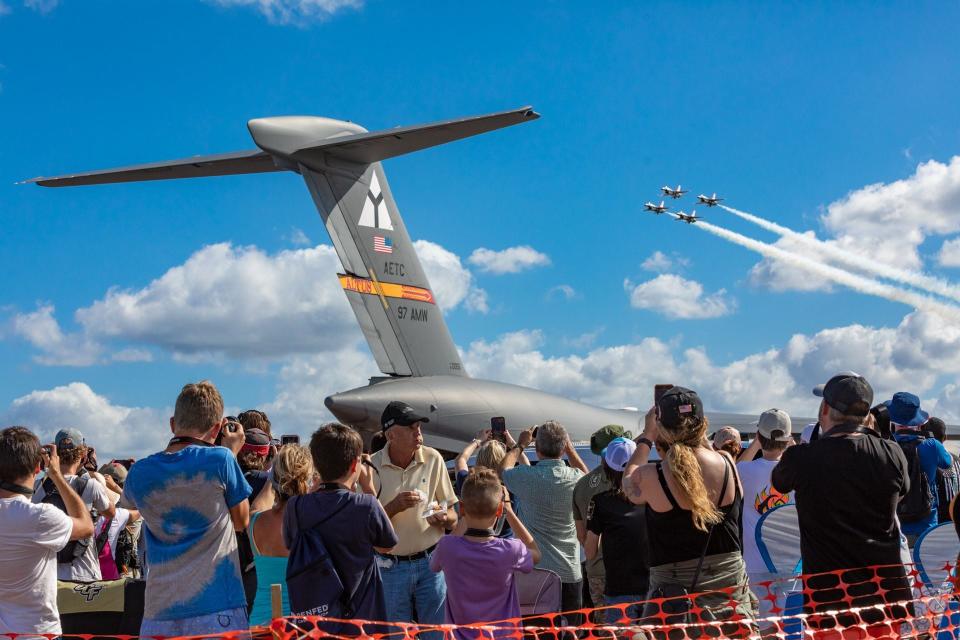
838	417
551	439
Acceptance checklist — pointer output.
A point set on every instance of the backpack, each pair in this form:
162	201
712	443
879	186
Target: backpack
313	584
918	504
126	555
75	548
948	486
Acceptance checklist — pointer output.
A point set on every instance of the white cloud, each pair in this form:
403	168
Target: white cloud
298	238
894	219
510	260
660	262
912	356
41	6
676	297
296	12
781	276
231	302
41	329
114	430
452	283
565	291
949	255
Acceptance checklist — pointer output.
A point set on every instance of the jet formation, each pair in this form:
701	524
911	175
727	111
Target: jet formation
676	194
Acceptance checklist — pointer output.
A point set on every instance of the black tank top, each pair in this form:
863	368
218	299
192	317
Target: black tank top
672	536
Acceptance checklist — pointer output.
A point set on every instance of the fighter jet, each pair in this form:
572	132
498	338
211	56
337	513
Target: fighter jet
673	193
710	201
656	208
689	218
382	275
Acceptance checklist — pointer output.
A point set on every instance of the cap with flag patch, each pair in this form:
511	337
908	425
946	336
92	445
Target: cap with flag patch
678	403
68	439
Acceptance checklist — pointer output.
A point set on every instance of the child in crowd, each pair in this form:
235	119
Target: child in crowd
478	552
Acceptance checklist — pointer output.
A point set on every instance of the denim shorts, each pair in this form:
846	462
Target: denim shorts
208	624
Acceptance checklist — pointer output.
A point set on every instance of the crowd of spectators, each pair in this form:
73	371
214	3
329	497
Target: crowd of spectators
225	511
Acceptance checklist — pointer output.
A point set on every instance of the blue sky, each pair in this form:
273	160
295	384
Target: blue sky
790	110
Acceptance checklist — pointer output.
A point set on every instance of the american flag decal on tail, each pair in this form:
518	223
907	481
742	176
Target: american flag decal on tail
382	244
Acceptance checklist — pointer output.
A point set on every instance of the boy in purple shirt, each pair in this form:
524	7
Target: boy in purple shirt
479	552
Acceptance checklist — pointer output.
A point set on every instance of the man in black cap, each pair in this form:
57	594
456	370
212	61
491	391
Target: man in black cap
847	484
417	495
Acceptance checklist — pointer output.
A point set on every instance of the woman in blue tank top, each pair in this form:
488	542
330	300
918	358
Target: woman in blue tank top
292	474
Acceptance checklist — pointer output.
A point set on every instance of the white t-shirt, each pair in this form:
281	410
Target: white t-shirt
116	526
807	432
30	536
759	496
86	568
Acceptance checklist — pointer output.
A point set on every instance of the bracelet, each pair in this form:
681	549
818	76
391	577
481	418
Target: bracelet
646	441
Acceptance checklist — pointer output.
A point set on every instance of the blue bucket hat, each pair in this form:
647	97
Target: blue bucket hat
904	409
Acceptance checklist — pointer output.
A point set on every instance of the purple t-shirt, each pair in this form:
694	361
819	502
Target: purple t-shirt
493	598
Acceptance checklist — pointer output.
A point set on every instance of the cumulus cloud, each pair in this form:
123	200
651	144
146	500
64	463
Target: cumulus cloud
452	283
660	262
676	297
295	12
114	430
912	356
510	260
231	302
949	255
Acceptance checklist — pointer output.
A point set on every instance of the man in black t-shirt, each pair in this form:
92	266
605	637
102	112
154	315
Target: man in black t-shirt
847	485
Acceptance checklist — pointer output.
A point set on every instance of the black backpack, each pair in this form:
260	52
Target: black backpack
74	548
313	584
918	504
125	555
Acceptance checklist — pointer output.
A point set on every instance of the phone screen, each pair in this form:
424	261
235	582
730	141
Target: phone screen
659	390
289	439
498	425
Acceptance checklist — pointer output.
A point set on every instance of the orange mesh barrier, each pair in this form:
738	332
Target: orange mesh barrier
853	604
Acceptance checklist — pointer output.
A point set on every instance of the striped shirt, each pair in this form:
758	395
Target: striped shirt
544	494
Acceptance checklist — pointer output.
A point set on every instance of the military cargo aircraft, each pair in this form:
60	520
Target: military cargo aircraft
340	162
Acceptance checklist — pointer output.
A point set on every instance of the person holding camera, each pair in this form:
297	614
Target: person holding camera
32	534
193	497
79	561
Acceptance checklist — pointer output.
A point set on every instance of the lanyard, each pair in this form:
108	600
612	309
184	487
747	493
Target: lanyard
848	429
331	486
188	440
16	488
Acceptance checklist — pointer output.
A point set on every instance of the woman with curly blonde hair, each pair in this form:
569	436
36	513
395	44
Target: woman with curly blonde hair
292	475
694	504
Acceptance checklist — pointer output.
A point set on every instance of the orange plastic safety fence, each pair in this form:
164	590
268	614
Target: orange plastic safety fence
852	604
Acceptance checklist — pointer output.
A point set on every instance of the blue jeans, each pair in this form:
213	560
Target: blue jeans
624	615
413	592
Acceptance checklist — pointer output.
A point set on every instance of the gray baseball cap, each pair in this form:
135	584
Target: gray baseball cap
68	439
775	424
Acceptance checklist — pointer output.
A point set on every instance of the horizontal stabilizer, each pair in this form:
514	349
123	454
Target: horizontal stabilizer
222	164
275	136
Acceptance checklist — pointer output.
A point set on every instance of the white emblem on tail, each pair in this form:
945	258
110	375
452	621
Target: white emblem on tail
375	212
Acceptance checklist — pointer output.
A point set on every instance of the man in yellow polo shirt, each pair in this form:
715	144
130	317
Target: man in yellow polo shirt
415	490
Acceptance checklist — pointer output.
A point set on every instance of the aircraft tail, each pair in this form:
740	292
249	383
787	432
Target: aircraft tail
340	162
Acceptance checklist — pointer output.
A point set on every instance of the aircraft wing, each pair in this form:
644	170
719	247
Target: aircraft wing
366	148
221	164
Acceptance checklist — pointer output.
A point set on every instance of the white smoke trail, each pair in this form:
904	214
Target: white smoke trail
864	263
856	282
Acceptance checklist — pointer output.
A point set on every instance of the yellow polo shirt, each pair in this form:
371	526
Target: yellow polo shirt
427	473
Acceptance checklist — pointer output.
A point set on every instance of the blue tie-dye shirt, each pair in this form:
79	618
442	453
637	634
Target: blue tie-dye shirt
185	499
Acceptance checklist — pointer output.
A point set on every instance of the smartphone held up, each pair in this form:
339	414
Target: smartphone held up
498	429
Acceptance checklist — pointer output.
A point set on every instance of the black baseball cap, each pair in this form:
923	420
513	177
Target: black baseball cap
400	413
677	403
849	394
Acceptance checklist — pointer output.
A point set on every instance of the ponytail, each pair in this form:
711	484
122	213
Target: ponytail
686	471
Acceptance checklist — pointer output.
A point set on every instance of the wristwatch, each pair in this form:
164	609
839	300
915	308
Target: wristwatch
646	441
